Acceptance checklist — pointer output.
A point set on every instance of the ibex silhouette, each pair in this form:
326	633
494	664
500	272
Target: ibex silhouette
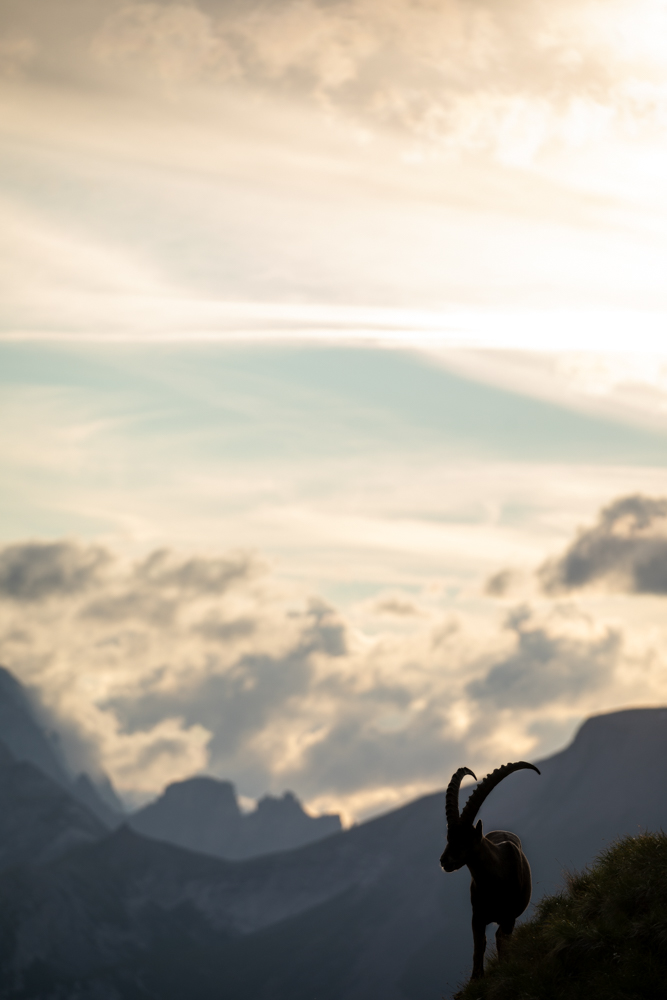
501	885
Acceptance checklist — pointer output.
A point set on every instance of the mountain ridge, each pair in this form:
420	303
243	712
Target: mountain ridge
362	912
202	813
25	737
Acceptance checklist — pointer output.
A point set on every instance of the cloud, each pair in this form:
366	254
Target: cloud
223	631
396	606
626	550
169	664
176	664
33	571
553	661
207	576
174	41
515	73
500	584
157	585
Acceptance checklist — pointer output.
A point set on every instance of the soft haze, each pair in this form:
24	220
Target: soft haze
334	383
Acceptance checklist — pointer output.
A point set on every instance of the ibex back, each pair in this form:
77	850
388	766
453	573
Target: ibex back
501	886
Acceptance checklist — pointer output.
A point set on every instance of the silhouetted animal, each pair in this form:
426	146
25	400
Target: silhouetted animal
501	885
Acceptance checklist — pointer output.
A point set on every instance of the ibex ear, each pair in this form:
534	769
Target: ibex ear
478	829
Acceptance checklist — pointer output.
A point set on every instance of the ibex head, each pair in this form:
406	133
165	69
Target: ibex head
462	835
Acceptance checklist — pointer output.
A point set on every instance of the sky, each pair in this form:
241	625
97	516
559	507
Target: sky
333	367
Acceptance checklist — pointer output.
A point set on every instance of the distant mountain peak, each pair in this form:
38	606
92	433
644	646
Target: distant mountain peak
366	913
23	734
623	720
26	739
202	813
203	789
279	805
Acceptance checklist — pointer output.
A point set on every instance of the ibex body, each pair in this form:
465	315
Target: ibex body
501	886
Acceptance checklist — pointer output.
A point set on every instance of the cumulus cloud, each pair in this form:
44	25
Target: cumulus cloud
33	571
167	665
180	664
210	576
626	550
157	585
552	661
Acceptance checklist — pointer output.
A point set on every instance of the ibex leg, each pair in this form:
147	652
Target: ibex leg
503	935
479	938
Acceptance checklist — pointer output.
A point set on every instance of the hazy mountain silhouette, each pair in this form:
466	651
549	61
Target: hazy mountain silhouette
150	919
363	913
39	820
25	737
609	782
203	814
101	798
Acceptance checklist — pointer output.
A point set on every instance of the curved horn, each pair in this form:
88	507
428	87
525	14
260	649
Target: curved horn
486	785
452	796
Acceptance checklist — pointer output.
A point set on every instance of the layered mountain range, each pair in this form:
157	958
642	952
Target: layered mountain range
115	915
201	813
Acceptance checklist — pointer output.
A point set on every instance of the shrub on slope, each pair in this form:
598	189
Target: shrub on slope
603	938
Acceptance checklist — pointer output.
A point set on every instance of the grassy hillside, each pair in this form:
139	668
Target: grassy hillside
603	938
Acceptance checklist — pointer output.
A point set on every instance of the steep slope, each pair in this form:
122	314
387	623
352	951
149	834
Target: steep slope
203	814
89	795
363	913
23	735
602	938
132	911
39	821
605	785
344	916
394	943
27	740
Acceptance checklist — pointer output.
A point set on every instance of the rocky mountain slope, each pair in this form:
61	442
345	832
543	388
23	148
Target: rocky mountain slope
27	740
362	913
606	784
39	821
130	916
200	813
23	735
603	938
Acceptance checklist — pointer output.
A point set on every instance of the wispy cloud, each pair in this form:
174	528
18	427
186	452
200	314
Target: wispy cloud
472	167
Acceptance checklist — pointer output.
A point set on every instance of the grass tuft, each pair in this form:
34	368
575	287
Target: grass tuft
604	937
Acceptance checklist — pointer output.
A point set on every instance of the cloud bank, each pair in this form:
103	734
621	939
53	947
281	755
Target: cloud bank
180	664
